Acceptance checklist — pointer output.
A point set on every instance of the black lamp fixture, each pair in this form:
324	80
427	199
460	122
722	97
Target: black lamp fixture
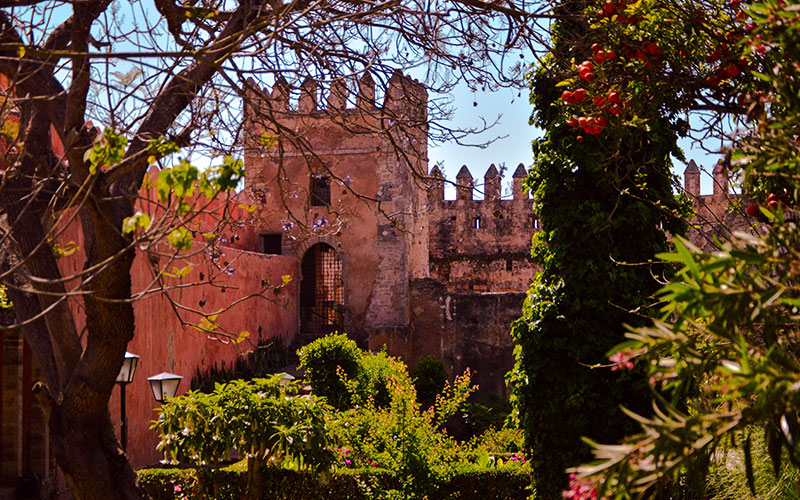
164	385
124	378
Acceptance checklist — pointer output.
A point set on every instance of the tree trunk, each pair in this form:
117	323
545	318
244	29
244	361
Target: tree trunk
89	455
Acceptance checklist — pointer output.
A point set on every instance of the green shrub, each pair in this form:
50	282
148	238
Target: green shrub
429	377
479	416
469	482
503	440
377	371
401	438
322	360
255	418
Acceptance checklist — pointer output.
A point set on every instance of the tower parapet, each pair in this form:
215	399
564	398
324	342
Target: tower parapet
491	184
366	92
464	184
720	175
436	183
691	179
308	96
516	188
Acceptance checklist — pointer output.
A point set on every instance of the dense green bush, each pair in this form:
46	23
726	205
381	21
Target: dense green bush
429	377
480	416
470	482
377	370
323	359
267	358
402	438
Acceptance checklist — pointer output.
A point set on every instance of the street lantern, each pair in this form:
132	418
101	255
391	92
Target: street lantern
164	385
124	378
128	369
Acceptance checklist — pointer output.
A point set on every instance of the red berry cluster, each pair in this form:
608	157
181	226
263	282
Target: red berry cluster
610	9
775	202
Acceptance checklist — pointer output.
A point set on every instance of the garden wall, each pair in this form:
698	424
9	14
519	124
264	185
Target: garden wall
165	342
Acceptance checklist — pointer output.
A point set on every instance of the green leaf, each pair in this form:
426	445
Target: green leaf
137	220
180	239
748	466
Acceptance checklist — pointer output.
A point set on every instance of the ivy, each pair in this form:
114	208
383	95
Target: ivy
604	200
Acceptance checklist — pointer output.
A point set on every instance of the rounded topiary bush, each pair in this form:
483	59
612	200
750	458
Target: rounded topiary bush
429	377
322	360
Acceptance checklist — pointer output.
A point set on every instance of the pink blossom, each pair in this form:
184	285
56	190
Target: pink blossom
580	489
177	488
622	360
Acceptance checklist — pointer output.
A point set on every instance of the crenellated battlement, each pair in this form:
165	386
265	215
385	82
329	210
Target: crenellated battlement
402	97
465	185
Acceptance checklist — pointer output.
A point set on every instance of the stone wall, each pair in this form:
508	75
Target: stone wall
166	341
465	330
26	459
481	245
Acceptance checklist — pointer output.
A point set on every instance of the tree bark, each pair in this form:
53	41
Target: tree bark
87	451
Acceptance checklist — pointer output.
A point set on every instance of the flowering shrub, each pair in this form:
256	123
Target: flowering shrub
401	436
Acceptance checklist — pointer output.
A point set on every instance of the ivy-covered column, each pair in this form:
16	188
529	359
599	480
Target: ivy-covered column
605	201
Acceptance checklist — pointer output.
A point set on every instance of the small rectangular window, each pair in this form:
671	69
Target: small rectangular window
509	265
271	243
320	190
533	221
476	222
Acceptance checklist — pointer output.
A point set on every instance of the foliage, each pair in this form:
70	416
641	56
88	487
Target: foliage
467	483
429	377
259	419
481	417
378	369
724	349
323	359
401	437
267	358
500	440
604	201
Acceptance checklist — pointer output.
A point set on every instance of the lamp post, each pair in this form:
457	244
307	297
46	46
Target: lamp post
124	378
164	385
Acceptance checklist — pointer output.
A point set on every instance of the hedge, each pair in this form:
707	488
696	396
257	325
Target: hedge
468	483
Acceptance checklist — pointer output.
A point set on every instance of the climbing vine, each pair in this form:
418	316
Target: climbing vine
604	192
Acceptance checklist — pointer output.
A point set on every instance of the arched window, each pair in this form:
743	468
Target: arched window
321	291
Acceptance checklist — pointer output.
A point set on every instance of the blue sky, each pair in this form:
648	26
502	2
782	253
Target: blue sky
514	136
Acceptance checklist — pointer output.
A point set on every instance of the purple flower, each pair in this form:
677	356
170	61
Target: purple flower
347	180
231	271
287	225
321	222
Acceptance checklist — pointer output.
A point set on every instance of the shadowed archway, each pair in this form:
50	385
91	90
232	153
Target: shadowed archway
321	291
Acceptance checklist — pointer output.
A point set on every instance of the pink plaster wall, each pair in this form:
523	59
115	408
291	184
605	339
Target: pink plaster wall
165	344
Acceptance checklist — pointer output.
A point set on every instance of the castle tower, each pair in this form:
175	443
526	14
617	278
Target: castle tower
343	189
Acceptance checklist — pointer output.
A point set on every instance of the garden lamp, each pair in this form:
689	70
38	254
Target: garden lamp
164	385
124	378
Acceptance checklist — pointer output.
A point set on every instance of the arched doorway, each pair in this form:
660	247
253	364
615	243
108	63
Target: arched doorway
321	291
